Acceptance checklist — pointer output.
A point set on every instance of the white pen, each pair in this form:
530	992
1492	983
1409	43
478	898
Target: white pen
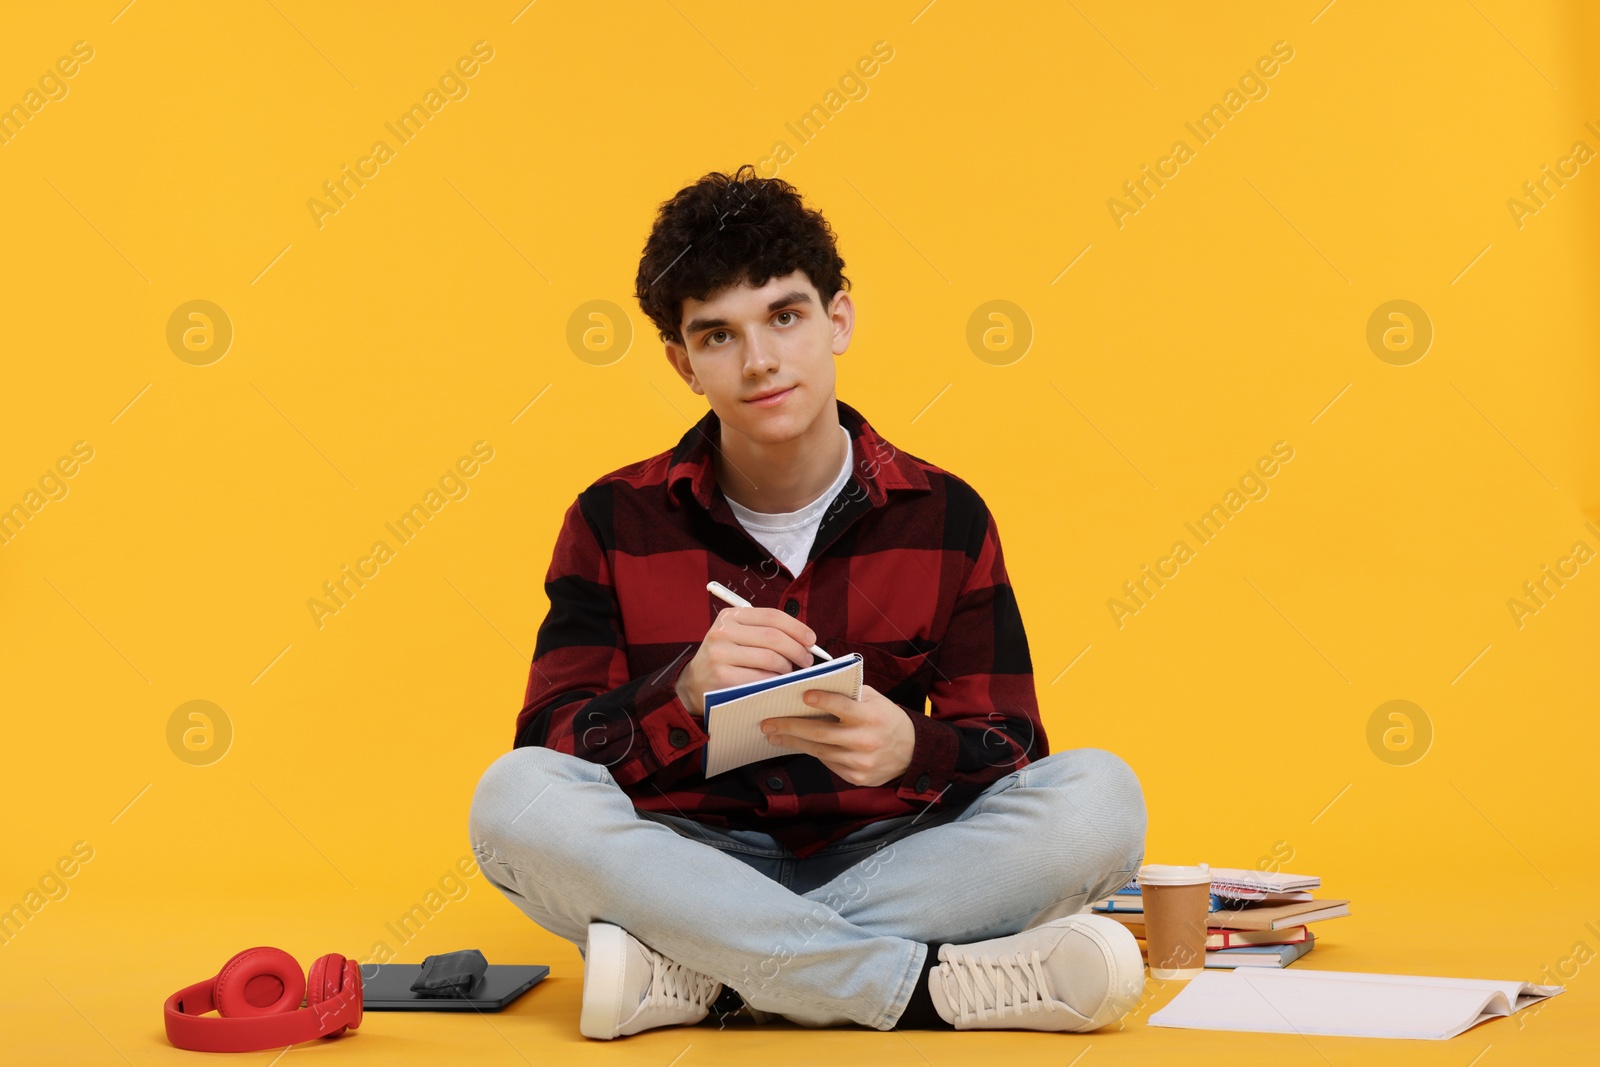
728	596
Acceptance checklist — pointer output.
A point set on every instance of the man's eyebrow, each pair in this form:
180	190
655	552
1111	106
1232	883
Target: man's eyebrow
795	296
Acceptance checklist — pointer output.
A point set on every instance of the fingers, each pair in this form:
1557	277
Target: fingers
842	707
755	657
847	763
783	644
823	731
768	628
798	631
869	742
831	754
744	645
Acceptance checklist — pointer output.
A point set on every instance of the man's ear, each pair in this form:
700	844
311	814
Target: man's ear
678	356
842	312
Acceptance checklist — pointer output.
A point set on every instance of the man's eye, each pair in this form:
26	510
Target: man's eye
781	314
711	338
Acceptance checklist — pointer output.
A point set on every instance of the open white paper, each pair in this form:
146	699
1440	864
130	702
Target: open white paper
1344	1003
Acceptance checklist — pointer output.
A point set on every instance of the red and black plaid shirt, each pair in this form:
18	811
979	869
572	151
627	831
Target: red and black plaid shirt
906	569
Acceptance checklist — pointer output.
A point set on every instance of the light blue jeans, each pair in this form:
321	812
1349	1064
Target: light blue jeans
838	937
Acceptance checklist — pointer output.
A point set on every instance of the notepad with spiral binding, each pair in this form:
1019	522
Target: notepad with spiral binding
734	713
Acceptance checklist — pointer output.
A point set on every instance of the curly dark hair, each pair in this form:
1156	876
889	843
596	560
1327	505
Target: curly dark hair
727	229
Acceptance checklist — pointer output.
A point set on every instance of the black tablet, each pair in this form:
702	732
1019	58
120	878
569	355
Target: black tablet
387	987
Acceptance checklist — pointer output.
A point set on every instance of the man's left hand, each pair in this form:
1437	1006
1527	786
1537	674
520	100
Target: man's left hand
870	744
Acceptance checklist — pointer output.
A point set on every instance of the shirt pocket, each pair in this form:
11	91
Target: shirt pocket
903	679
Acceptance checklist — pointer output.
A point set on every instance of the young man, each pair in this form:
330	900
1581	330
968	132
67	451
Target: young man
888	869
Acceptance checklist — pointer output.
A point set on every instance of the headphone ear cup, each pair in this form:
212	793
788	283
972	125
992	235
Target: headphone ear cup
327	981
352	980
259	981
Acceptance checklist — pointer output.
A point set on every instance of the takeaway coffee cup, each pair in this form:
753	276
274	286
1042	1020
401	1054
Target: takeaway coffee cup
1176	903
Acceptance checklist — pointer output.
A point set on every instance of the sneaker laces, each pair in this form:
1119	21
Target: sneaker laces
679	985
975	985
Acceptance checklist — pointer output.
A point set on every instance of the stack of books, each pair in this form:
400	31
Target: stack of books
1256	919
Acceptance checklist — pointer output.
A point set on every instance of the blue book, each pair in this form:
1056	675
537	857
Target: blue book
1125	900
1259	955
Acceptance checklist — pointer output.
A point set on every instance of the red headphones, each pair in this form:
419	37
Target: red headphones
257	994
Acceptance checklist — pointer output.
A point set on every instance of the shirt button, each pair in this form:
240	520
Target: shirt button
923	783
775	783
678	736
792	607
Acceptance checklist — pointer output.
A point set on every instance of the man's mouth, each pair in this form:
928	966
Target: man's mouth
771	399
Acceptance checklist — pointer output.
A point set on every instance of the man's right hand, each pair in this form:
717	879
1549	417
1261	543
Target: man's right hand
744	645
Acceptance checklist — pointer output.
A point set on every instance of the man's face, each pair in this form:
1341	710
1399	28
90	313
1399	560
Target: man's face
745	342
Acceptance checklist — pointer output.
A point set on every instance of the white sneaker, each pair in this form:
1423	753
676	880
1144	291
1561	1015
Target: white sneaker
629	986
1079	972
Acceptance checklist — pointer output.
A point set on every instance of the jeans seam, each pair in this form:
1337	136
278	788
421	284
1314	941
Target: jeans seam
907	979
749	850
734	846
723	845
845	850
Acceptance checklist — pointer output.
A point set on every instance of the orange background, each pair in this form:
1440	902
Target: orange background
372	347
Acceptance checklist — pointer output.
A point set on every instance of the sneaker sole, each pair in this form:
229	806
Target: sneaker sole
1125	963
603	957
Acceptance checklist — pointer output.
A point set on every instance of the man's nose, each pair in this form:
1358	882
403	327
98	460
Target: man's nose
760	356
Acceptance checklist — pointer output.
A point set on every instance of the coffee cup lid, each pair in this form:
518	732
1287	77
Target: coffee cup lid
1169	874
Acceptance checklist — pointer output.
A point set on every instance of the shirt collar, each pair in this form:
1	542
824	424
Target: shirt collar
879	466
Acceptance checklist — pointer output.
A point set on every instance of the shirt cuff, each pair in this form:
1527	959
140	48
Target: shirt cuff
669	728
933	759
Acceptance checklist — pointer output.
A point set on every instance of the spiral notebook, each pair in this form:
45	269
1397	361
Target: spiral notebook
733	714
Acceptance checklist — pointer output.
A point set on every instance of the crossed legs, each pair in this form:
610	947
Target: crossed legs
561	839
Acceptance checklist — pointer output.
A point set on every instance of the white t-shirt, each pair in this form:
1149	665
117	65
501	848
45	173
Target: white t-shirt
788	536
